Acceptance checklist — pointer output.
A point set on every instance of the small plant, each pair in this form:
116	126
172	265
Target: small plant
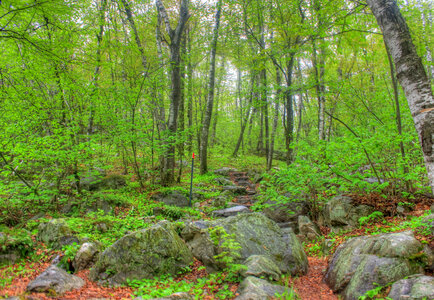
16	240
229	252
375	216
289	293
69	252
158	287
375	293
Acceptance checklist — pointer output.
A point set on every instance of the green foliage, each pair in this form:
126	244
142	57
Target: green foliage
314	249
373	217
16	239
375	293
228	252
69	252
163	286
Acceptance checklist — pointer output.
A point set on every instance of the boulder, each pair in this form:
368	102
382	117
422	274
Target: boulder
308	229
56	234
197	238
225	171
223	181
286	212
231	211
363	262
14	244
340	213
253	288
235	190
415	287
97	181
55	279
146	253
256	235
175	198
219	201
86	257
261	266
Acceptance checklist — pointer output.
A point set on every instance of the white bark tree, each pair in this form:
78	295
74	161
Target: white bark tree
410	73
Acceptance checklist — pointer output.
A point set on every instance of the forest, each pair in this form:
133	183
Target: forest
310	120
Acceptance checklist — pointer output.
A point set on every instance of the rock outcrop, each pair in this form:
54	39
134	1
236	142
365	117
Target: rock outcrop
147	253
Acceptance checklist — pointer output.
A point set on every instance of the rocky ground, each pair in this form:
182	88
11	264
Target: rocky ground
271	244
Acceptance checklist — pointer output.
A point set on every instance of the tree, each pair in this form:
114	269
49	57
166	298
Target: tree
210	99
411	75
175	36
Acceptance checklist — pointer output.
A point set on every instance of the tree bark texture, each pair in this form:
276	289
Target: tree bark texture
411	75
210	99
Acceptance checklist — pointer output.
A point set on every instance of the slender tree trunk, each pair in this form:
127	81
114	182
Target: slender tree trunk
175	35
210	100
411	75
318	67
289	107
189	95
216	113
398	113
97	71
275	119
246	118
181	117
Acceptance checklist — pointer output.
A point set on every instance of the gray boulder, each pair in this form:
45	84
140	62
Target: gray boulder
253	288
55	279
286	212
98	181
256	235
416	287
56	234
146	253
235	189
231	211
308	229
86	257
175	198
362	262
340	213
261	266
223	181
225	171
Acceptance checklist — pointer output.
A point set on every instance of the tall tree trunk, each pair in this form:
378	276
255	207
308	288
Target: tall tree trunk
398	113
411	75
181	117
175	35
189	94
318	66
216	114
247	116
275	119
97	71
210	100
289	110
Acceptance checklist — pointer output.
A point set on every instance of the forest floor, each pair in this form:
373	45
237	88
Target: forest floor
311	286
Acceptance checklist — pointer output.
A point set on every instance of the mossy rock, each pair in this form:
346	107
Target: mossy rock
151	252
255	234
363	261
14	245
56	234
